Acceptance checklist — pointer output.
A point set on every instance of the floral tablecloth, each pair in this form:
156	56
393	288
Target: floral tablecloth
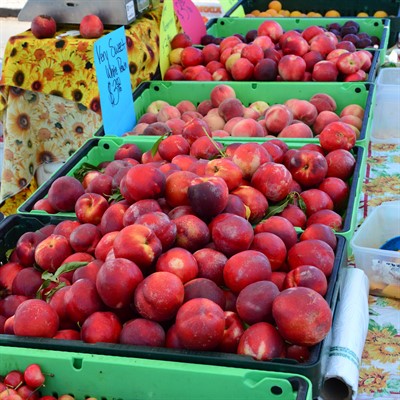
49	97
380	368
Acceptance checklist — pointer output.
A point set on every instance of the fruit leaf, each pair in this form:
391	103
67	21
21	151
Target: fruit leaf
84	169
279	207
115	196
42	287
51	292
8	253
154	148
68	267
220	151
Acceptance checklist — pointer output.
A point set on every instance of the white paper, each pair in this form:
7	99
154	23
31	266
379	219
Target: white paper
349	331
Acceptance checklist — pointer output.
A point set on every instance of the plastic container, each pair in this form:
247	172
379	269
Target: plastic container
344	94
12	227
381	266
109	377
385	127
345	8
222	27
98	150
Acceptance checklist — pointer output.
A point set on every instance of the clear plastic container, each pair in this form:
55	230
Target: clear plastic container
381	266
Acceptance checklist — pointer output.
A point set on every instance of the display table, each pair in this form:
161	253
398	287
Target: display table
49	100
380	367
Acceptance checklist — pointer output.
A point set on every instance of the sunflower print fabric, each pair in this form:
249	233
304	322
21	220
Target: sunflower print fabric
49	99
380	367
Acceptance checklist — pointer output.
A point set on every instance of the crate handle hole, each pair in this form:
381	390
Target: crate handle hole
276	390
77	363
357	90
70	4
156	88
106	146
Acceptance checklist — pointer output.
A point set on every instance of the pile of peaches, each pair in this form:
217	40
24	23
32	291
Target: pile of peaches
188	245
268	53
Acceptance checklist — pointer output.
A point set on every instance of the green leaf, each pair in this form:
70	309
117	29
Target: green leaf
49	276
221	151
279	207
68	267
42	287
51	292
373	325
8	253
154	148
115	196
84	169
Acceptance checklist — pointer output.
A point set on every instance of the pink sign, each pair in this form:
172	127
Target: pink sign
190	19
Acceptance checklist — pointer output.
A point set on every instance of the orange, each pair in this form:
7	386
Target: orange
362	14
275	5
296	14
332	13
284	13
264	14
272	12
255	12
380	14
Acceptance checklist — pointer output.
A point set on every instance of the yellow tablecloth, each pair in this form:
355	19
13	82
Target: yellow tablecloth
49	97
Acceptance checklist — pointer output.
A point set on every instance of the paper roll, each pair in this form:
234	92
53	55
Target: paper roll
349	331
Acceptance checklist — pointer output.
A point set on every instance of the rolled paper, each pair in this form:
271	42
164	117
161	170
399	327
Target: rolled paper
349	331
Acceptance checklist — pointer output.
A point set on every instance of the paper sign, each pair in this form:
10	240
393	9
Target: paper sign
114	81
228	4
190	19
168	30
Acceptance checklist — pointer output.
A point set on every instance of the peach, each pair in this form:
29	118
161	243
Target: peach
231	108
348	63
273	54
175	56
214	122
337	135
180	262
236	206
316	200
192	233
292	67
324	43
262	342
171	74
321	232
314	252
244	268
200	324
354	110
204	107
156	129
231	123
341	164
204	148
272	180
296	130
326	217
137	182
311	31
161	225
254	302
210	264
337	190
85	238
264	41
233	331
325	71
176	188
302	315
210	53
139	208
251	113
295	215
181	39
277	117
195	128
35	318
253	52
279	226
323	102
254	200
168	112
225	169
91	27
88	271
159	296
302	110
63	193
231	60
142	332
296	45
172	146
270	28
183	161
334	55
272	246
247	127
221	92
229	42
231	233
221	74
43	26
191	56
204	288
155	106
311	58
323	119
242	70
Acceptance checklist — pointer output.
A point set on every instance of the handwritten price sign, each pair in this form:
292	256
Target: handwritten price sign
190	19
114	82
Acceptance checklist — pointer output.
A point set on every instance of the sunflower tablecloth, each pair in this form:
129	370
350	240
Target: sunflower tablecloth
380	367
49	98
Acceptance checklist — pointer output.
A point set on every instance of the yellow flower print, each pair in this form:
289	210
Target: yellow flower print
379	336
70	62
15	74
48	152
372	380
39	54
384	147
377	160
59	108
36	81
55	88
396	159
49	69
387	352
19	120
383	185
377	201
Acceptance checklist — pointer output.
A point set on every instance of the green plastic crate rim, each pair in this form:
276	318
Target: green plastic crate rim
226	26
111	377
344	93
12	227
97	150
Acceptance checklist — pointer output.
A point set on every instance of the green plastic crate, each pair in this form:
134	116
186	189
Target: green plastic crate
12	227
379	27
344	94
97	150
109	377
345	8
